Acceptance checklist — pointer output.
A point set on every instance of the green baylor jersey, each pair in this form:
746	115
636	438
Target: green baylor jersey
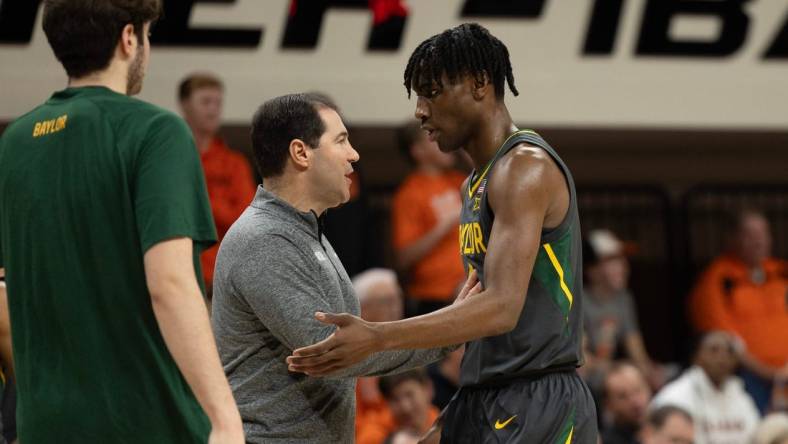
549	331
89	181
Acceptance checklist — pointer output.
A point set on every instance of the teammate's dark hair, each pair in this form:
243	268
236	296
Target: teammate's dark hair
281	120
83	34
468	49
387	384
659	416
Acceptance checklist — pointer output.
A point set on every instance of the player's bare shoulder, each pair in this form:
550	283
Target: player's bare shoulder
530	172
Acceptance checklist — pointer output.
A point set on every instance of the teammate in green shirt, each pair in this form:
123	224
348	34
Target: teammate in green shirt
103	211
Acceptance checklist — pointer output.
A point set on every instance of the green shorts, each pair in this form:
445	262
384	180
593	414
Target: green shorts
554	408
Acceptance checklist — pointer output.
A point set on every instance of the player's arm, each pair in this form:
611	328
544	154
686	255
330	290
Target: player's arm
183	320
5	331
520	194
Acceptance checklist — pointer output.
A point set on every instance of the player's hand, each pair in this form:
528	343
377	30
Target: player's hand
352	342
471	287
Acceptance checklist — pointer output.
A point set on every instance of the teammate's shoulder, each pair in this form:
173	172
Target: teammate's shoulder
140	114
146	110
23	121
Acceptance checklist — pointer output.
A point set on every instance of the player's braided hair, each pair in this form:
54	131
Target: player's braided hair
468	49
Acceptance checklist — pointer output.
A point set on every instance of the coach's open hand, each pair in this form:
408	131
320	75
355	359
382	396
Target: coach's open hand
353	341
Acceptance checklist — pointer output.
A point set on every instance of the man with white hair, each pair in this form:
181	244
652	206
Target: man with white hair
379	295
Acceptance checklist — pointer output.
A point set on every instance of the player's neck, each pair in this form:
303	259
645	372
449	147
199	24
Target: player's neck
112	77
493	130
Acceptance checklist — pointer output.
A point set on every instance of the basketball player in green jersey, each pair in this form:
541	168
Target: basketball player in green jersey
520	234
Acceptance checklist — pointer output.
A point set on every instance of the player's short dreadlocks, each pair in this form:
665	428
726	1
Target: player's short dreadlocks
468	49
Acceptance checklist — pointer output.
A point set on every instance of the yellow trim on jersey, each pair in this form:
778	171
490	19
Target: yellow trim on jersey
557	265
472	188
569	438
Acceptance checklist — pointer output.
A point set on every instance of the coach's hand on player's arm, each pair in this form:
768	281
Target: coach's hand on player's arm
353	341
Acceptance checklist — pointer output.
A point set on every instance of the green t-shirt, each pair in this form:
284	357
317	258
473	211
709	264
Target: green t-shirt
89	181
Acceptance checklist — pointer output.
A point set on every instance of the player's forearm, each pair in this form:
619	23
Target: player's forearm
393	361
183	321
479	316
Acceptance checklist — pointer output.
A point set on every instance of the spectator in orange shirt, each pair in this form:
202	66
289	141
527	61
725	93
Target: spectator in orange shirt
408	397
425	218
744	292
227	173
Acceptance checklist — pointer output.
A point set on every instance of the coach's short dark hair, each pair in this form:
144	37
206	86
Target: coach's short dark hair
659	416
83	34
387	384
281	120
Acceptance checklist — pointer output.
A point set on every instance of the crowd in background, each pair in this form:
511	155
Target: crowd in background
734	390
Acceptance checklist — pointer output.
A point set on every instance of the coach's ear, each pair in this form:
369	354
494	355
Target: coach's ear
300	154
481	86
